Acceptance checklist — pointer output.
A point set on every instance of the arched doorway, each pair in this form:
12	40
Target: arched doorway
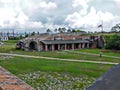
33	45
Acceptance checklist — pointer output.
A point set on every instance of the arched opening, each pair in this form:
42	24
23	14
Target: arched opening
33	45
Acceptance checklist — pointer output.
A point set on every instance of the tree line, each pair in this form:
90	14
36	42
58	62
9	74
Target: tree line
63	30
113	42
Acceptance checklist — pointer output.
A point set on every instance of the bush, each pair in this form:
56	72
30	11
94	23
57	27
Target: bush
113	42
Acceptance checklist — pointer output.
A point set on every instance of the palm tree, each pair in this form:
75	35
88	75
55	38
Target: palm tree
48	30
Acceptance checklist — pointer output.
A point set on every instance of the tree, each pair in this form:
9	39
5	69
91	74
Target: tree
26	34
38	33
33	33
8	34
113	42
48	30
116	28
56	30
69	30
73	30
62	30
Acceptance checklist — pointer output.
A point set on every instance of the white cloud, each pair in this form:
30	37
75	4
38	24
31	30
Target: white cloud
22	18
47	6
82	3
55	13
6	14
6	1
117	0
93	18
9	14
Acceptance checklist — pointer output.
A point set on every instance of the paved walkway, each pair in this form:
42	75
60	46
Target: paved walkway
50	58
10	82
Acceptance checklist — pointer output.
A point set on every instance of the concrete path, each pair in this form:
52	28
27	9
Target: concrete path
50	58
91	54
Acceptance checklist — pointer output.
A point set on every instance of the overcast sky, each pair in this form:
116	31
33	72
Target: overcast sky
38	15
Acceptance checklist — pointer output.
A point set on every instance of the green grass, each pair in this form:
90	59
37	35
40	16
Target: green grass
85	73
19	65
7	48
24	66
67	55
10	42
97	51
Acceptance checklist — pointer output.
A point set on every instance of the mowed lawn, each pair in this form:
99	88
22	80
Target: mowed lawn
81	75
69	55
74	75
97	51
20	65
66	55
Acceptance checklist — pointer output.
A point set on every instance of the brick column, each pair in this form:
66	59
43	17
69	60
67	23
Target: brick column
58	46
53	47
79	45
65	46
83	45
46	48
87	45
73	46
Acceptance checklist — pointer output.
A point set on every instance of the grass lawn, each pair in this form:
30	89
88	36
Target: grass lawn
97	51
67	55
28	66
11	42
56	74
7	48
61	54
64	55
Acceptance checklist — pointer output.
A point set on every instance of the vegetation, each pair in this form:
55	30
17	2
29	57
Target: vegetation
113	42
54	74
10	42
97	51
46	73
116	28
66	55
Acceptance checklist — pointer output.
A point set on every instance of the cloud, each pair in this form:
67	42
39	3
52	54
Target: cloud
47	6
92	19
6	1
117	0
89	16
22	18
6	14
43	14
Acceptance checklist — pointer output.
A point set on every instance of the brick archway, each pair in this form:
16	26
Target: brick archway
33	45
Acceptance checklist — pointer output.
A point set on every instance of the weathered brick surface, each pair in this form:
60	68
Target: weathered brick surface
9	81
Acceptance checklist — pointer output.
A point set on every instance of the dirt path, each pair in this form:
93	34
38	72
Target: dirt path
50	58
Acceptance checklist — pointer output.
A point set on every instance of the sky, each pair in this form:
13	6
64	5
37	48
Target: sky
39	15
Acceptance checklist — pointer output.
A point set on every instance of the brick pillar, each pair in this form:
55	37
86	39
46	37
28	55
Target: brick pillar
73	46
83	45
65	46
58	46
87	45
53	47
46	48
79	45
